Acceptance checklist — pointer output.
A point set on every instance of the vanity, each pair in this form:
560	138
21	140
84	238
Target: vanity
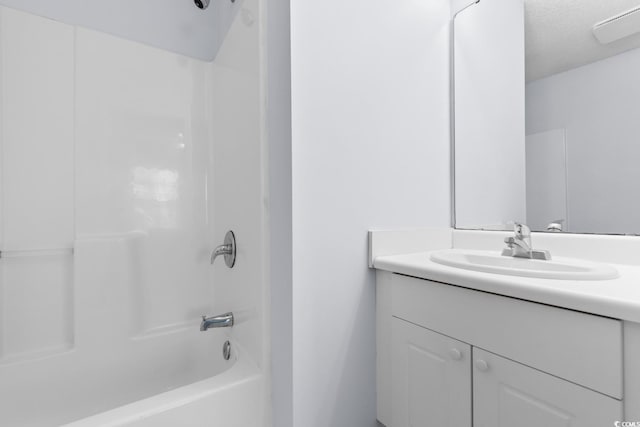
544	132
457	346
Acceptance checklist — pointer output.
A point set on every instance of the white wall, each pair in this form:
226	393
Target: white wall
489	114
597	105
175	25
370	148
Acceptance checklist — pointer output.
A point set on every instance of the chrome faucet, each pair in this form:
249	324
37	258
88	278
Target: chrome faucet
221	321
228	249
520	246
555	226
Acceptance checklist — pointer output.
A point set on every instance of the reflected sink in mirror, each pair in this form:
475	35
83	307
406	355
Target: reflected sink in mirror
494	262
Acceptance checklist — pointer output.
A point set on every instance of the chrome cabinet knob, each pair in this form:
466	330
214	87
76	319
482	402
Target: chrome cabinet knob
482	365
455	354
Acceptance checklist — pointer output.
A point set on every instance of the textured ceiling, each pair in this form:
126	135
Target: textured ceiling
558	34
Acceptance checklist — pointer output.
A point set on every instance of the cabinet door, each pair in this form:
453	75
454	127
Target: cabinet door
506	393
431	378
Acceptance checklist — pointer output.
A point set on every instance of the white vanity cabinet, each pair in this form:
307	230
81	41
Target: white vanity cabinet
452	356
506	393
431	374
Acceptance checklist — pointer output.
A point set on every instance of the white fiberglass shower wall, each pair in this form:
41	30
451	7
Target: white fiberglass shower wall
122	167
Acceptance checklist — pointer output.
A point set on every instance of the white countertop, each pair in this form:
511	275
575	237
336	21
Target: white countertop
618	298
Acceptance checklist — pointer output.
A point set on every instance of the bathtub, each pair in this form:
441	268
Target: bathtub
119	357
231	398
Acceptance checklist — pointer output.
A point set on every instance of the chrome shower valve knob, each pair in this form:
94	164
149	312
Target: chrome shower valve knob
228	249
202	4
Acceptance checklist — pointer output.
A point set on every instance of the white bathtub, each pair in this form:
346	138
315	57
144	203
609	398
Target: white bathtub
113	369
231	399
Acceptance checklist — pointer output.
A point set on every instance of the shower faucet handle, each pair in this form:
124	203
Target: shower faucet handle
228	249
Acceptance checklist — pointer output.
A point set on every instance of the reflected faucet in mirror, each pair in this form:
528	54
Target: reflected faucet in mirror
555	226
519	246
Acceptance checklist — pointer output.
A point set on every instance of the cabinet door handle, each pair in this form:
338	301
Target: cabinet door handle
455	354
482	365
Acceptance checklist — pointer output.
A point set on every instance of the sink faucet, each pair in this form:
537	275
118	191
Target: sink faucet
520	246
221	321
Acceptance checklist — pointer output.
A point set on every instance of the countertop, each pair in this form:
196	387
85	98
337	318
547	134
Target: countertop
617	298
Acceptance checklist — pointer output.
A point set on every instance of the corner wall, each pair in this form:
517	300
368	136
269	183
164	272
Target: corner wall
278	99
370	148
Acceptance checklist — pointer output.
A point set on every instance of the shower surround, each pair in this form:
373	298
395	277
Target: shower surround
122	168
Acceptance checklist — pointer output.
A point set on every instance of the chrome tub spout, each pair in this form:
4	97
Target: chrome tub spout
221	321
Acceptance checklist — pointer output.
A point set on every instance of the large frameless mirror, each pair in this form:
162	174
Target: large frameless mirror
547	115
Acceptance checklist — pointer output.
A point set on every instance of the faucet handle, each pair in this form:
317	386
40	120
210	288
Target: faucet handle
228	249
521	230
555	225
511	243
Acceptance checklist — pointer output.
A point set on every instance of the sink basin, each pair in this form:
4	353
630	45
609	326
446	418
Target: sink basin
494	262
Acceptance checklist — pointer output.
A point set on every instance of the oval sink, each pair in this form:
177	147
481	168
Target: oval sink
494	262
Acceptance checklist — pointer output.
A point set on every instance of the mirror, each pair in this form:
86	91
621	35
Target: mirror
547	117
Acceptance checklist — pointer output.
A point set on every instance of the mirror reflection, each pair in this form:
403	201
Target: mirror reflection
565	157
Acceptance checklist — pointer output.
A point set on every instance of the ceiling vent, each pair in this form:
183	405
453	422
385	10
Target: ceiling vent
618	27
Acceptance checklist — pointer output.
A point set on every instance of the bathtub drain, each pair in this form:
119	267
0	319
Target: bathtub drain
226	350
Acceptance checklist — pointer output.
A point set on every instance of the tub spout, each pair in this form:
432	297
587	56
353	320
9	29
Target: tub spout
221	321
